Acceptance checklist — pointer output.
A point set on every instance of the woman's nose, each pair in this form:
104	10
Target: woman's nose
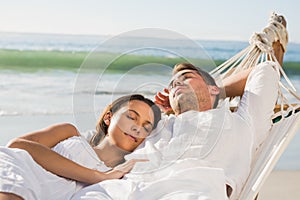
136	129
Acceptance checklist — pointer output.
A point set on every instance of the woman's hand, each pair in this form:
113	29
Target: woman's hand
163	102
122	169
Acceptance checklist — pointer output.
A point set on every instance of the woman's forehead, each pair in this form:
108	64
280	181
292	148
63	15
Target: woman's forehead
141	107
137	103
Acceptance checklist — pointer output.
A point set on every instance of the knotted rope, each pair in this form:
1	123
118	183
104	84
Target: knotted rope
260	50
274	31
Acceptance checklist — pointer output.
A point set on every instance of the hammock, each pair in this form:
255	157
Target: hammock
286	121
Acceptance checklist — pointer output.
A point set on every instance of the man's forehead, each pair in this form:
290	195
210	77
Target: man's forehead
182	72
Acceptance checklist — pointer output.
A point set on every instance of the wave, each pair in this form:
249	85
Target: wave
84	43
4	113
144	92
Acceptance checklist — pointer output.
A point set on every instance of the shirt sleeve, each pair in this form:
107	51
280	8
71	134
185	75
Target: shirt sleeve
259	98
87	135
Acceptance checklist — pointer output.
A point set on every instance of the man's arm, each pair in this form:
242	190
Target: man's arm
234	85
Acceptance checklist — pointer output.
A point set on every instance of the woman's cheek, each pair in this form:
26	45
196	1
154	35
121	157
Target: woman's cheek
124	124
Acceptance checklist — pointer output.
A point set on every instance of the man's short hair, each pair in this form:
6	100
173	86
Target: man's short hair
208	79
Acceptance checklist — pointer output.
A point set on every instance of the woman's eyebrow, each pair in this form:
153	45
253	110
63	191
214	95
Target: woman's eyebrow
134	112
140	116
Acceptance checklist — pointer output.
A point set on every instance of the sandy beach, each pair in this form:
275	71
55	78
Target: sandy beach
281	185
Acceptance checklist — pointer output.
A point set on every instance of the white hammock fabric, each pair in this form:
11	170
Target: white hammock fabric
282	132
280	136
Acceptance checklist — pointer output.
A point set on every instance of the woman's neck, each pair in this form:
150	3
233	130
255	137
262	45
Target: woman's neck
109	153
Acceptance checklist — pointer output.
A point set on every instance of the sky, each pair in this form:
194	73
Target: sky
196	19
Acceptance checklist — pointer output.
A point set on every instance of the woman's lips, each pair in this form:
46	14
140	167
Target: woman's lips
131	137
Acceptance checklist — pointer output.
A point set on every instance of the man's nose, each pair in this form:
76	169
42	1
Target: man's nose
177	82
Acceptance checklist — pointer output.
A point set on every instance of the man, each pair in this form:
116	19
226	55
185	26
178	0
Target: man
240	133
194	89
201	148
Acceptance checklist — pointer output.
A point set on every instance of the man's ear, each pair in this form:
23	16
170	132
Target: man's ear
107	118
214	90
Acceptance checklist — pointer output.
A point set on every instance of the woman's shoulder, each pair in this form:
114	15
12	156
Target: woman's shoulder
87	135
68	145
78	149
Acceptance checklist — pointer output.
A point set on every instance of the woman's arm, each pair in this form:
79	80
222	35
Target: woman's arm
49	136
38	144
59	165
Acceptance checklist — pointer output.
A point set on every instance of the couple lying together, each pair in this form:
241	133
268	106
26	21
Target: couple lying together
201	151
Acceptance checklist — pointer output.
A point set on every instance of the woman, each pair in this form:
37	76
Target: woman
57	161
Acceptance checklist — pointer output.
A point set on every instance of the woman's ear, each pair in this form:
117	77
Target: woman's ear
107	118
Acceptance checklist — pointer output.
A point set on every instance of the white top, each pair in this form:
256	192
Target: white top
21	175
80	151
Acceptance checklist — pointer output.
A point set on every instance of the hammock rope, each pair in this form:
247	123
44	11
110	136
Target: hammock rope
261	50
283	129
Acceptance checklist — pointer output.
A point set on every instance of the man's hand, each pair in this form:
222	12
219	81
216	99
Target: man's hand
162	101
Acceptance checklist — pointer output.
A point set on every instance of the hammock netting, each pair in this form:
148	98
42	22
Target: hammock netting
286	121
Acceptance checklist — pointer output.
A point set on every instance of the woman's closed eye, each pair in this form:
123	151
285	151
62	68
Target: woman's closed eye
131	115
134	116
148	128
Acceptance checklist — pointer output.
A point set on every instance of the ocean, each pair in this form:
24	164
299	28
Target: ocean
35	98
86	43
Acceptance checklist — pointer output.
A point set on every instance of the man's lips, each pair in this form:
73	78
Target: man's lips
176	90
131	137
